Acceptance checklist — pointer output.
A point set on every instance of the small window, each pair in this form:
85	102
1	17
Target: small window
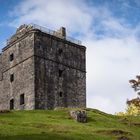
60	94
11	57
11	77
21	99
11	104
39	45
60	73
60	51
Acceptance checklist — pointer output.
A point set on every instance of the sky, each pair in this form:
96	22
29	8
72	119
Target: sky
110	29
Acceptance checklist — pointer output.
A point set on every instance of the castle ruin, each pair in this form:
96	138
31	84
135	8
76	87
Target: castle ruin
42	69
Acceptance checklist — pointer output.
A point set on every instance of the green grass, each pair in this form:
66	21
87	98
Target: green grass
57	125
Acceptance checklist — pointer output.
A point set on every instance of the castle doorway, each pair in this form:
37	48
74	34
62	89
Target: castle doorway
11	104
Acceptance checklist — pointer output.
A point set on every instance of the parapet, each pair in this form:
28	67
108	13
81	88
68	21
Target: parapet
61	33
19	32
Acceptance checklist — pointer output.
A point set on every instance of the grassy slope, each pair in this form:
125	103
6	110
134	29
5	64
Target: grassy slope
57	125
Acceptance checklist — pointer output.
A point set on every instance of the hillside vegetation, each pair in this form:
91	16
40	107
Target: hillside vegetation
57	125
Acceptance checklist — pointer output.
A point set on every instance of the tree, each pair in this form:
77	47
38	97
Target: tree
134	104
132	110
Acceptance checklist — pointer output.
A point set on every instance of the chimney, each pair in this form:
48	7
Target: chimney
61	32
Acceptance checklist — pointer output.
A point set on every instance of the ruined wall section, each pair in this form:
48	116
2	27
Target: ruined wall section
60	73
22	67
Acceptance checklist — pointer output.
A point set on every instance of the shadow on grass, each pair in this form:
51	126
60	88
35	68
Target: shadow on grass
42	136
45	136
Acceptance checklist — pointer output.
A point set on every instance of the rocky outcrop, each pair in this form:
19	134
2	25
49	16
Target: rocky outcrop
79	115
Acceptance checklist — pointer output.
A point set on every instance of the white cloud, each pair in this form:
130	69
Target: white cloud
112	46
53	14
110	64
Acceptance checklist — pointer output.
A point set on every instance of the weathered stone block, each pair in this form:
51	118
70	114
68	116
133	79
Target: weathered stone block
79	115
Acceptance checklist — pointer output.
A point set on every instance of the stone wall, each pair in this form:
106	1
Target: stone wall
22	67
60	73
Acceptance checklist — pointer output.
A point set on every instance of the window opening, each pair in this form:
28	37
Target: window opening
60	73
60	51
21	99
11	104
11	57
11	77
60	94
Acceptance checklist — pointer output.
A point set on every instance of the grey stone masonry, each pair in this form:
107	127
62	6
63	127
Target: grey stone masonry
42	69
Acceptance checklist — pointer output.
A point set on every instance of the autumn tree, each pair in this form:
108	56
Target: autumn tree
134	104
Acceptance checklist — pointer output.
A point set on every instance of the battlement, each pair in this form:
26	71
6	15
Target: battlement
61	33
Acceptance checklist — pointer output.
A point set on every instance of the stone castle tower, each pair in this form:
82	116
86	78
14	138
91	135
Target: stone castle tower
42	69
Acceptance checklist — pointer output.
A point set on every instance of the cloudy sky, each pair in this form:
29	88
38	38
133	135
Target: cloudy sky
110	29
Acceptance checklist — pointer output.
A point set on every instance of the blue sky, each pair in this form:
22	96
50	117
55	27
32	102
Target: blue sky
127	10
110	29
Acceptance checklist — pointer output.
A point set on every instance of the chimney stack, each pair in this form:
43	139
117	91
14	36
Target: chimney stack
61	33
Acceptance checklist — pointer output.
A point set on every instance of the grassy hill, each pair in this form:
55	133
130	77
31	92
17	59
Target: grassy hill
57	125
